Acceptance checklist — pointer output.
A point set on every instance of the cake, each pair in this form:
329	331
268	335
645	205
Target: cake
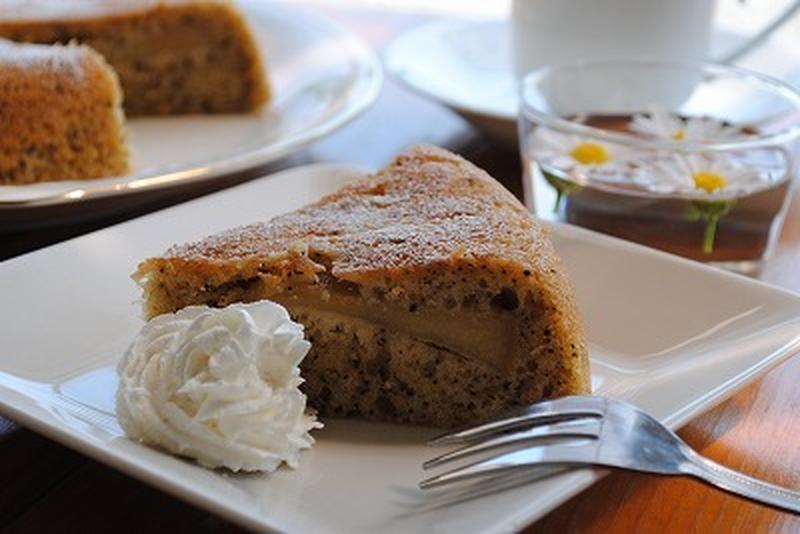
171	56
429	294
61	115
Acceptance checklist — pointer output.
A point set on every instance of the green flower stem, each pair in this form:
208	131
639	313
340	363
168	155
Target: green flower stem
563	188
710	233
559	196
709	212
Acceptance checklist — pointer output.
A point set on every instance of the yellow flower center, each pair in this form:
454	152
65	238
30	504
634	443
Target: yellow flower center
679	134
588	153
709	181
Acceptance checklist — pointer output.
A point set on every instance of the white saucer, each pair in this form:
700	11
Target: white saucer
467	66
322	76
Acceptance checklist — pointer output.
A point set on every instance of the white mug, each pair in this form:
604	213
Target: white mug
557	31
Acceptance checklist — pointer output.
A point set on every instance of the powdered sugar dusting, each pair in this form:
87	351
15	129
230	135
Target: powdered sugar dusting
69	58
427	206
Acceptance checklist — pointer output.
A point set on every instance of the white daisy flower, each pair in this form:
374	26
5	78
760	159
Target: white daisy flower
701	176
569	161
572	153
665	125
658	123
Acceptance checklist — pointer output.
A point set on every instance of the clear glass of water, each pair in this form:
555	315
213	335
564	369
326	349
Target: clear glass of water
691	158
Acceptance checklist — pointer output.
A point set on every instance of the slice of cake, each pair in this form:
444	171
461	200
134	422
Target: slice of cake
60	115
172	56
428	292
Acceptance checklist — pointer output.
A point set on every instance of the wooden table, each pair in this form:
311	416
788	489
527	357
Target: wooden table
47	487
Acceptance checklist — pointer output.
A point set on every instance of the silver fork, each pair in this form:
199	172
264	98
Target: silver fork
585	430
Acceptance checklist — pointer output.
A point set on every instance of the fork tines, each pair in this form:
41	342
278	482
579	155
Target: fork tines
585	427
571	420
554	411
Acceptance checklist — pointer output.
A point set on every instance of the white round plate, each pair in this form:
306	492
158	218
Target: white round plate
322	76
467	66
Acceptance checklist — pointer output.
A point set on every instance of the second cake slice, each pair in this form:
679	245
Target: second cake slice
60	115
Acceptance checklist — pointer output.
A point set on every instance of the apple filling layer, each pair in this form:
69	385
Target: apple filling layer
487	337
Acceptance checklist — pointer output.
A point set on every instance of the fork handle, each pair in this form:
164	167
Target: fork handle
740	484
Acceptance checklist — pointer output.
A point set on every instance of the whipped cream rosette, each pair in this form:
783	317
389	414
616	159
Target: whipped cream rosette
220	386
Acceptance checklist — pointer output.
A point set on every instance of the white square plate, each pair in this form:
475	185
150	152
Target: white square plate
670	335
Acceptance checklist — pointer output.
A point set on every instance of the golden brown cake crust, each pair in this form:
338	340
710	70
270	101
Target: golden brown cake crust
172	57
60	115
427	206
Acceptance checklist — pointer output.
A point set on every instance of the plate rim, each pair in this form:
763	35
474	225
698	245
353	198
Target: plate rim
369	87
13	401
